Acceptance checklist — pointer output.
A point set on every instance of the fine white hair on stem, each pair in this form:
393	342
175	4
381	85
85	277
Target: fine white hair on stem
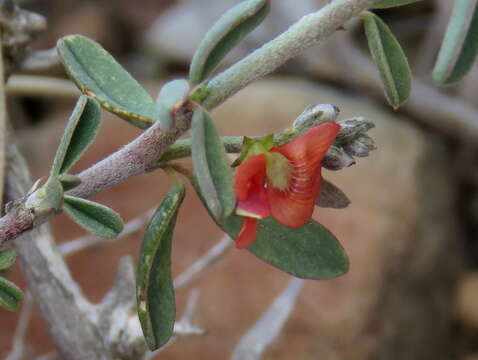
253	344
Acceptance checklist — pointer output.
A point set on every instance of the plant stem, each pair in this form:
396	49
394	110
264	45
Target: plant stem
310	30
143	152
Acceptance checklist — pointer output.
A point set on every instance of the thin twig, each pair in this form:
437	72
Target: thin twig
87	242
18	349
196	269
41	86
268	327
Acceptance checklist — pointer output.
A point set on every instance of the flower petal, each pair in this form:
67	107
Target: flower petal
293	207
247	234
252	170
312	145
256	205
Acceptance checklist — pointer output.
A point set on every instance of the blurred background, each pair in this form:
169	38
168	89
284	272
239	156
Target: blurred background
410	231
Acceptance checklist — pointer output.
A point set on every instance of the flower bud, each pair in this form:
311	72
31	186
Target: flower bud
351	129
314	115
361	146
337	159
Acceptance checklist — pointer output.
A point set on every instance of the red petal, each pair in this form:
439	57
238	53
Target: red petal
252	170
256	204
247	234
293	207
311	145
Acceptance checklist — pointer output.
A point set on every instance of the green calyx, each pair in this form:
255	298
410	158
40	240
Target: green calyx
251	147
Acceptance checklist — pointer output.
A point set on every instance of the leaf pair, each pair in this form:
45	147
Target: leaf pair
80	131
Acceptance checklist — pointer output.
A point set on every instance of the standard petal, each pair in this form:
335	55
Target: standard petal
293	206
311	145
247	234
252	170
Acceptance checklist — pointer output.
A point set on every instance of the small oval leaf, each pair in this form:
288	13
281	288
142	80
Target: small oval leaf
170	97
460	43
211	166
7	258
10	295
389	58
69	181
79	133
231	28
68	134
98	75
392	3
94	217
82	135
154	285
309	252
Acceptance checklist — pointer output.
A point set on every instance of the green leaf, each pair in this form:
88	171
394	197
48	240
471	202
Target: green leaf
390	59
69	181
392	3
82	135
10	295
7	258
79	133
211	166
309	252
231	28
170	97
94	217
460	44
154	285
98	75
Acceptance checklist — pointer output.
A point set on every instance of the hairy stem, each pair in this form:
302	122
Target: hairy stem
143	152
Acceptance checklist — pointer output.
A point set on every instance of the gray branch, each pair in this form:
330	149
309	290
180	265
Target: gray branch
268	327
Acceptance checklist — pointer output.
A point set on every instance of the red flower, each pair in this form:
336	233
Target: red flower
283	182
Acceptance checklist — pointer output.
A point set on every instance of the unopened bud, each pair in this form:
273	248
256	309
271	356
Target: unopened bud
351	129
337	159
314	115
361	146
